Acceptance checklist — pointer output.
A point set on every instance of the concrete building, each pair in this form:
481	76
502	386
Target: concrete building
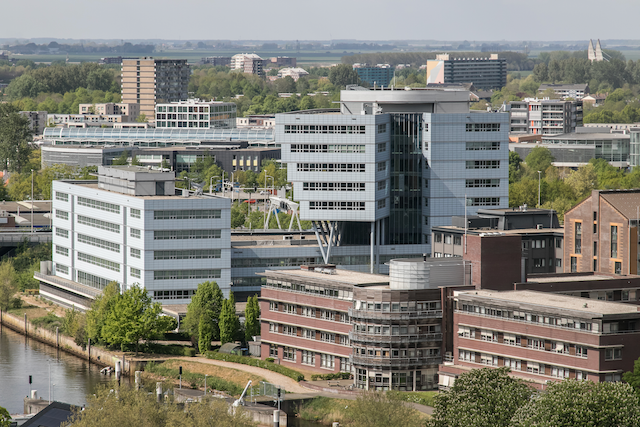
216	61
601	233
249	63
375	76
148	81
544	116
92	120
132	228
393	164
194	113
542	337
576	149
295	73
266	121
634	147
283	61
132	111
37	120
484	73
576	91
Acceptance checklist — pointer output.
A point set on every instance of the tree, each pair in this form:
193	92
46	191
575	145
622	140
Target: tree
539	159
342	75
514	166
633	377
583	180
572	402
15	139
99	311
207	304
122	160
252	318
205	333
229	322
480	398
142	118
378	409
8	286
286	85
5	418
133	317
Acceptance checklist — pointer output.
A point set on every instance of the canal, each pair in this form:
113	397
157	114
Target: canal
71	377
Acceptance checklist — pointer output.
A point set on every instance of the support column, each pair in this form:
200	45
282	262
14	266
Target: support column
373	244
378	246
414	380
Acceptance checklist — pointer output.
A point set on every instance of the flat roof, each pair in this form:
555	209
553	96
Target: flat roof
572	278
585	136
191	195
340	276
564	302
497	232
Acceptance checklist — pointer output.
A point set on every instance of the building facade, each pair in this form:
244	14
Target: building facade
542	337
545	116
379	75
577	91
249	63
132	111
484	73
130	227
148	81
194	113
37	120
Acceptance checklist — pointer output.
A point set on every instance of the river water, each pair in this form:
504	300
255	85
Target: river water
71	377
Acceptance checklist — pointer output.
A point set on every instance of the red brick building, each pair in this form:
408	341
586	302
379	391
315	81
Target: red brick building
601	233
542	337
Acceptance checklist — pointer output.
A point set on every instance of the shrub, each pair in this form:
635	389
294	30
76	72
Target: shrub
192	378
269	359
295	375
48	322
16	303
333	376
189	352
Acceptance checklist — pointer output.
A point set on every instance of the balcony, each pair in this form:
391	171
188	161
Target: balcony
395	315
404	362
412	338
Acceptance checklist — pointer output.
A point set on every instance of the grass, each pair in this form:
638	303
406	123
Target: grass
421	397
323	409
33	312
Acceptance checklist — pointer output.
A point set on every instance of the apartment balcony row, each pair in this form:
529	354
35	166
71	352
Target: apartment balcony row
410	338
387	315
404	362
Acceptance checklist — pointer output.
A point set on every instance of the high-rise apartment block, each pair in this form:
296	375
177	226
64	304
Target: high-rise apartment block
394	163
149	81
194	113
249	63
484	73
132	111
545	116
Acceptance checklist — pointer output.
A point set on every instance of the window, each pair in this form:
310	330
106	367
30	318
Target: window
483	201
559	243
382	128
558	262
188	254
482	183
103	225
559	372
186	274
327	361
134	232
187	214
308	358
345	366
614	242
613	377
62	268
577	238
536	344
382	185
64	197
538	262
510	339
382	147
177	294
489	336
581	351
135	213
613	354
574	264
62	214
135	253
582	375
482	164
437	237
337	129
273	306
560	347
382	203
535	368
186	234
61	232
289	353
513	364
466	332
309	311
466	355
99	243
100	262
482	145
618	267
332	167
447	239
336	186
482	127
134	272
382	166
289	330
457	240
340	206
97	204
487	359
426	183
60	250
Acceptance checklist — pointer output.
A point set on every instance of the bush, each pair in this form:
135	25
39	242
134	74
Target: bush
270	359
421	397
49	322
295	375
195	379
190	352
16	303
154	348
334	376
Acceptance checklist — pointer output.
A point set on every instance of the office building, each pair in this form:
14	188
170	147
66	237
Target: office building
130	227
545	116
132	111
577	91
283	61
393	164
249	63
375	76
87	120
484	73
266	121
295	73
386	330
634	147
540	240
541	337
37	120
576	149
216	61
148	81
601	233
194	113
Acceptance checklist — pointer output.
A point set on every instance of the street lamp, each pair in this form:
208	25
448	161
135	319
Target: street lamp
539	172
265	200
211	183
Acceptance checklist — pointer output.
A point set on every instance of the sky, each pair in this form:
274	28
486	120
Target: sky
473	20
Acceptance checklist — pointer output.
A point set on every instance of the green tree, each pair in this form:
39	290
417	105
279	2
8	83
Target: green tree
15	139
99	311
572	403
142	118
5	418
229	322
205	333
539	159
480	398
583	180
8	287
207	303
122	160
514	166
342	75
252	318
378	409
133	317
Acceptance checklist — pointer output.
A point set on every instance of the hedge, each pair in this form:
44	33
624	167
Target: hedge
295	375
194	379
421	397
171	349
334	376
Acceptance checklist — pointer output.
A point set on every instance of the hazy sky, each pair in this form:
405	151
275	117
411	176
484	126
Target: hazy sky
321	20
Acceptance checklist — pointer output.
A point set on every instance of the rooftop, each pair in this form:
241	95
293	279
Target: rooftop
571	278
586	136
337	275
545	299
624	201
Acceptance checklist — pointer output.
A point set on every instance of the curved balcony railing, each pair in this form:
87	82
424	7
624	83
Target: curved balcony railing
409	338
394	361
394	315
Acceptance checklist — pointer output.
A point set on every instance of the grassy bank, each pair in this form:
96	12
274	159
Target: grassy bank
324	409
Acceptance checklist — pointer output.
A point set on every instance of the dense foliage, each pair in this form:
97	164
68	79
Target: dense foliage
379	409
203	315
245	360
252	318
15	139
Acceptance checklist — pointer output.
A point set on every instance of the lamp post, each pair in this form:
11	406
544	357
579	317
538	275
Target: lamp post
265	226
539	172
232	186
32	200
211	183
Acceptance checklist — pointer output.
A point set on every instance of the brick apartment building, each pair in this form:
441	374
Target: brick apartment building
601	233
542	337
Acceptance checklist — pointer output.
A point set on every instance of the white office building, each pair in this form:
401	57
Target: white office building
392	164
132	228
194	113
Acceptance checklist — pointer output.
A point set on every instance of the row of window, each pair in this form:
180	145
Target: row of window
324	129
186	234
396	353
135	253
188	254
331	315
483	201
448	238
343	294
97	223
99	243
331	167
396	307
482	164
334	186
100	262
327	361
327	148
377	329
482	127
177	294
61	232
482	145
310	334
61	250
340	206
97	204
186	274
482	183
187	214
64	197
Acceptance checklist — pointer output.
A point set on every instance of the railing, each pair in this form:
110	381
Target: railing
364	337
18	237
69	285
395	315
394	362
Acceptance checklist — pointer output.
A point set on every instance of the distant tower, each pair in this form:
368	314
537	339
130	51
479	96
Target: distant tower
591	53
595	51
